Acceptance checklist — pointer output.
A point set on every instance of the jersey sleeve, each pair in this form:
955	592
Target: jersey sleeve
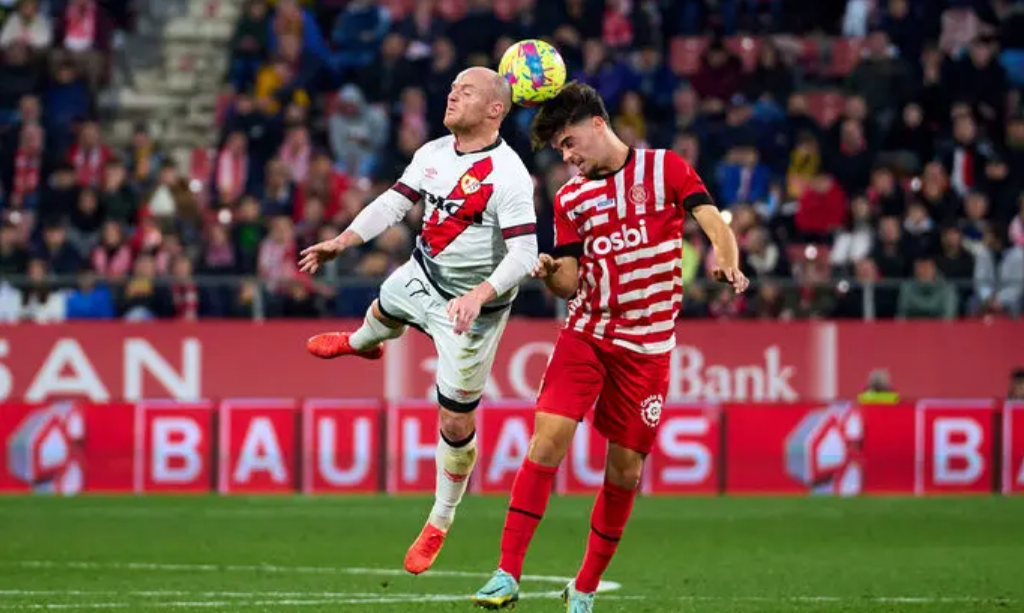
409	185
568	241
685	186
516	215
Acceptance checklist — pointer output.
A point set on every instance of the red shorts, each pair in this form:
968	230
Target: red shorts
628	387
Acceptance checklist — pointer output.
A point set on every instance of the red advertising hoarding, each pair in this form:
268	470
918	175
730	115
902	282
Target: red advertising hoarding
174	448
928	447
1013	447
735	361
340	443
258	446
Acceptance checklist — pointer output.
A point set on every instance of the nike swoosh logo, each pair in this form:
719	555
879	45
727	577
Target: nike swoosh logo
494	591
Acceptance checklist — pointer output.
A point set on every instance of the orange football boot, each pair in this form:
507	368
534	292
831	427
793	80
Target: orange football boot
331	345
424	551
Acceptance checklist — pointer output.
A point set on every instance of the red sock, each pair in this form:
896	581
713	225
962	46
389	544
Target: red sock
530	494
607	522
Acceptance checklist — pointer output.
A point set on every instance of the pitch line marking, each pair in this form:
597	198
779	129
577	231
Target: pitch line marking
605	586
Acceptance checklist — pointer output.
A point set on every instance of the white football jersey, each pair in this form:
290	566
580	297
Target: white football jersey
473	203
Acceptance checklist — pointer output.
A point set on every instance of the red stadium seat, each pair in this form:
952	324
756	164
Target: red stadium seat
809	55
825	106
451	9
747	48
685	54
845	56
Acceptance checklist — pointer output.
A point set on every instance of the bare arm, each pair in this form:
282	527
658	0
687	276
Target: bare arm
727	252
561	276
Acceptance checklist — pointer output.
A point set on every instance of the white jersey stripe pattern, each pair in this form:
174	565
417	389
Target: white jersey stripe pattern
627	229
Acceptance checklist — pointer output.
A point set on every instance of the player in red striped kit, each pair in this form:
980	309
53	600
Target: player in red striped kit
618	239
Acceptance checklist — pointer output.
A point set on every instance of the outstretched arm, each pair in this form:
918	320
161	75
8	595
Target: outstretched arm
727	253
385	211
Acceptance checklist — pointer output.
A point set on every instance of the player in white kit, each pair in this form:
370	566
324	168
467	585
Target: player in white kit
478	242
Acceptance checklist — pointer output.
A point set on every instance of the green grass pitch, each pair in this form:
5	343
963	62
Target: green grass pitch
706	555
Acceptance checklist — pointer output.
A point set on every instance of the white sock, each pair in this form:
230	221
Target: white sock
372	333
454	464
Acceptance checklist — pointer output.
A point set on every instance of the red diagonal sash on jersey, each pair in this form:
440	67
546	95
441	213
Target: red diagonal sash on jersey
444	226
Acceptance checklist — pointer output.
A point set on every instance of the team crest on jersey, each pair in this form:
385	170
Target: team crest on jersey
638	195
650	410
469	184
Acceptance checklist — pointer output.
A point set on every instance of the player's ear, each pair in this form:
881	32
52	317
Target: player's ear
598	123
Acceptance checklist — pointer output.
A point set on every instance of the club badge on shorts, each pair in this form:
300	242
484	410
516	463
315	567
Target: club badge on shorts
650	410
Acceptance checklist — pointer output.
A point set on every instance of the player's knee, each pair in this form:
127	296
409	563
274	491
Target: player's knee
624	468
456	426
379	315
546	450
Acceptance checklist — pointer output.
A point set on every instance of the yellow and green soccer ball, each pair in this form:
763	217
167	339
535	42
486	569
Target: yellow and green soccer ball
535	70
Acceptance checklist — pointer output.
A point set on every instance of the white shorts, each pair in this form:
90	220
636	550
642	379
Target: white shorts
463	361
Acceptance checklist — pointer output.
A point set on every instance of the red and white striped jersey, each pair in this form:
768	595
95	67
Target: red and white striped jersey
626	229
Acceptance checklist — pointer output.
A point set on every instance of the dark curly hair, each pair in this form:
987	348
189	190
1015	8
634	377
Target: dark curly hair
576	102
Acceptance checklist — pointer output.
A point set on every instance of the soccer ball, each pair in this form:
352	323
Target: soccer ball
534	69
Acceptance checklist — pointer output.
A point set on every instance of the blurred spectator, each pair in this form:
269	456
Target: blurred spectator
357	36
142	298
13	257
59	195
905	29
67	100
927	296
475	32
822	209
954	261
112	257
27	170
249	45
382	81
631	115
965	157
89	155
656	83
935	192
850	301
290	19
604	73
27	24
772	80
880	76
247	235
326	184
975	221
890	252
277	256
919	230
909	138
879	389
90	300
851	164
232	173
804	164
299	302
184	294
998	276
720	74
41	303
144	160
855	242
358	132
296	152
85	221
118	199
1017	226
85	32
762	258
742	178
284	79
56	253
19	77
981	80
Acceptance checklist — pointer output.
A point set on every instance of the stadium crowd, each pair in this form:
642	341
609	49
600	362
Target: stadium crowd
861	144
